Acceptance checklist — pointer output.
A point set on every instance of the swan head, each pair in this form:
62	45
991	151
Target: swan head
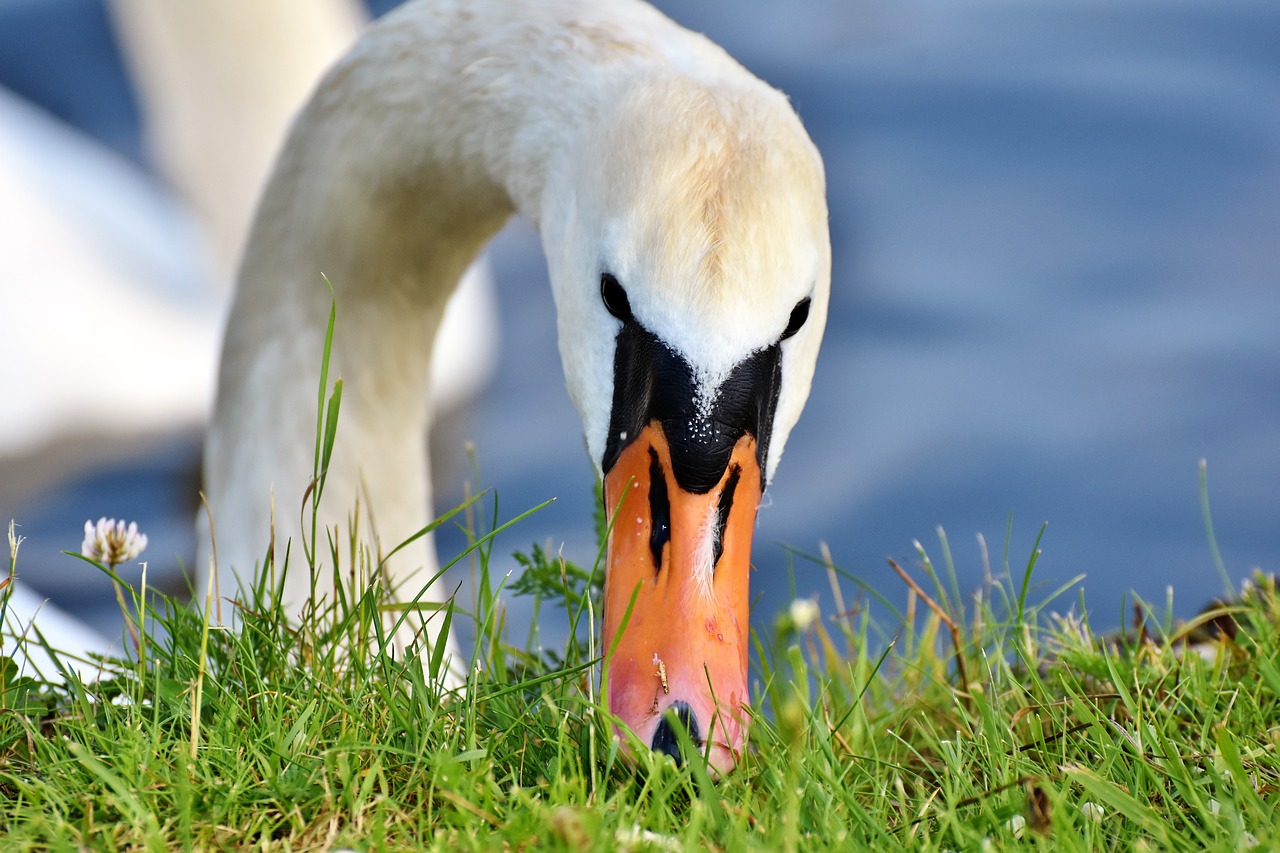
687	241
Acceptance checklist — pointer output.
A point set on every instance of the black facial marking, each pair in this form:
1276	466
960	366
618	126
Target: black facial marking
615	298
652	382
664	736
722	512
659	510
798	315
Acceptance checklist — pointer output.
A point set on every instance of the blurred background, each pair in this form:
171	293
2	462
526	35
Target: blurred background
1056	241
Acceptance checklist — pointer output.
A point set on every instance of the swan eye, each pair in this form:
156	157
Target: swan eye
615	298
798	315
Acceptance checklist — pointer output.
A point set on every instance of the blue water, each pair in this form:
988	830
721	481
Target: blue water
1056	240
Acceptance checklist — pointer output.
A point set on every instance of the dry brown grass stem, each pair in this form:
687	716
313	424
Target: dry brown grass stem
956	642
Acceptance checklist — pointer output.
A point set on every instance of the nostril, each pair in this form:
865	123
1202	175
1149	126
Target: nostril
722	511
665	738
659	510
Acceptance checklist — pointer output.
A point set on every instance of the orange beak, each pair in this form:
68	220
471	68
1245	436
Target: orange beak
676	598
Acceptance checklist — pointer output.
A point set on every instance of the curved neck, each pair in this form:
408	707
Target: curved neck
444	120
398	170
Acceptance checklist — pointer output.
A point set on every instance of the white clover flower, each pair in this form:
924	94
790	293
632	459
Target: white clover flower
1092	812
1016	825
804	612
110	542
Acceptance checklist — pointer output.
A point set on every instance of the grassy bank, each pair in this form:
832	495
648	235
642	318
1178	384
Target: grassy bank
945	723
961	725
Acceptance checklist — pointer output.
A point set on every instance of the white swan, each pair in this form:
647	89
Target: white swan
681	209
95	242
220	81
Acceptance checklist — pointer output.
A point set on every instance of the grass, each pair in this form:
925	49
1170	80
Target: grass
954	723
961	728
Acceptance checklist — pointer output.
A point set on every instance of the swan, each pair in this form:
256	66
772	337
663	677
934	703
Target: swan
135	281
207	66
137	277
681	208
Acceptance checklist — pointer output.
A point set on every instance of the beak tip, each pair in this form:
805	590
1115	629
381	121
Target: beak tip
666	740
